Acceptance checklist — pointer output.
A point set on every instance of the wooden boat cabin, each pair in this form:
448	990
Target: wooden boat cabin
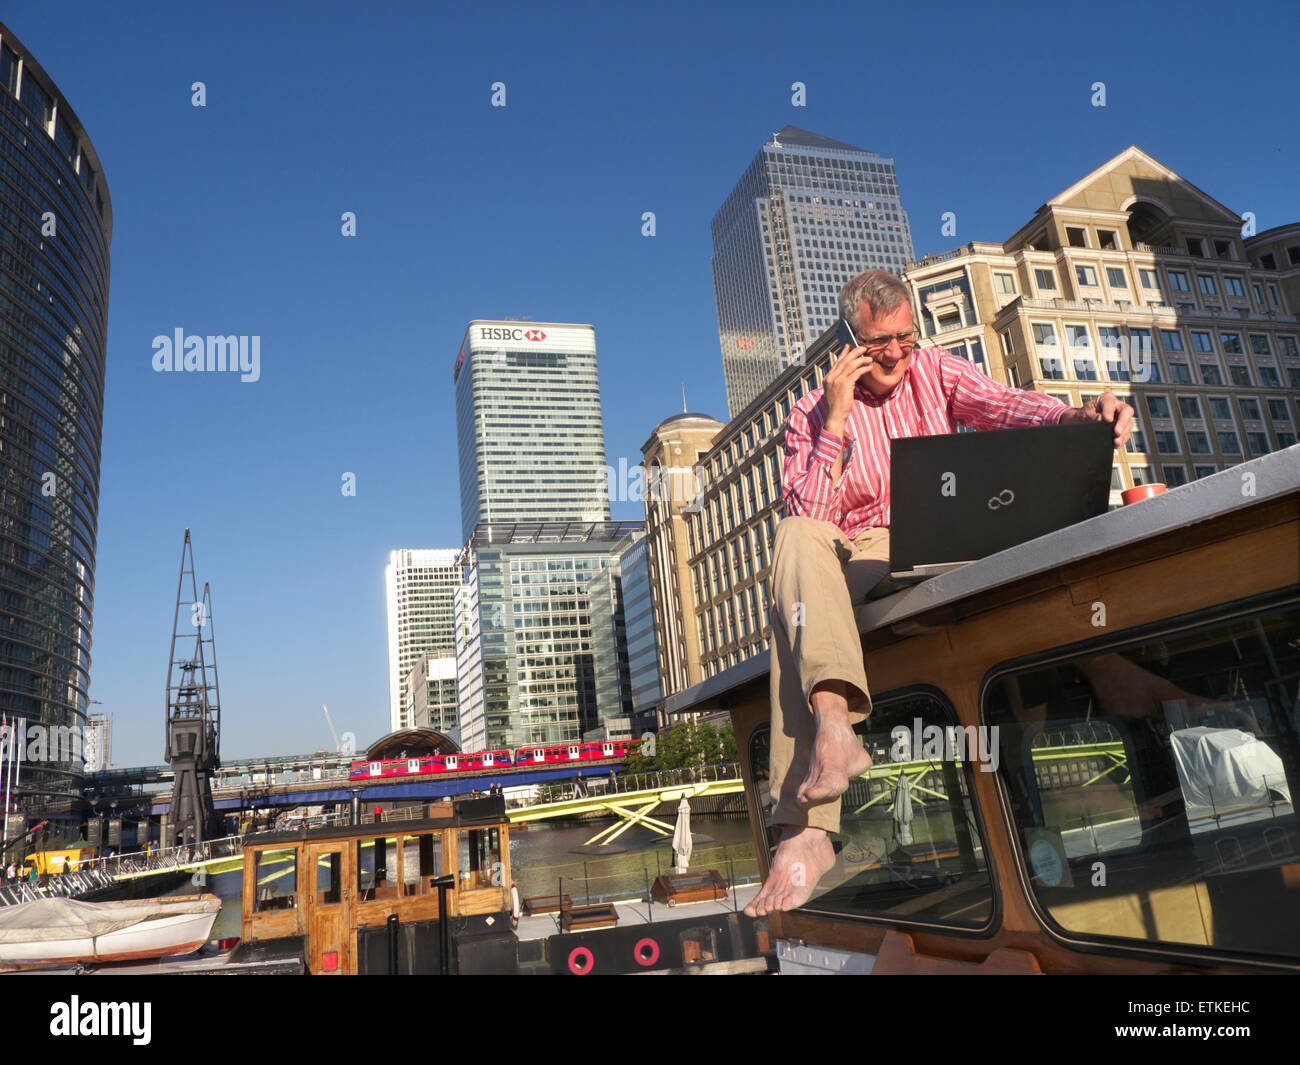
331	892
1086	751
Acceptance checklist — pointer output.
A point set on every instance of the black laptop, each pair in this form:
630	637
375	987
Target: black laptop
959	497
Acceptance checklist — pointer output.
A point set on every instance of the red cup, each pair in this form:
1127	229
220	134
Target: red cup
1142	491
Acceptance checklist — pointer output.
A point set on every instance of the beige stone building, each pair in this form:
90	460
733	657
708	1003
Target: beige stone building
670	459
1135	281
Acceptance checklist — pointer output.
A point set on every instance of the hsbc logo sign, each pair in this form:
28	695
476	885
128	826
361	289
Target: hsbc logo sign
496	332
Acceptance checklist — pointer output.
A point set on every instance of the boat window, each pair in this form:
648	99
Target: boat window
276	877
480	859
421	863
909	847
329	878
377	868
1152	787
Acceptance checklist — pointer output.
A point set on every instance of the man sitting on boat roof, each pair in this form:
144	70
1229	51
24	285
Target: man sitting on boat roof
832	550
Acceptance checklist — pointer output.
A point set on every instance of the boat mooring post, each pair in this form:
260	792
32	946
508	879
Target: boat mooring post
393	924
444	958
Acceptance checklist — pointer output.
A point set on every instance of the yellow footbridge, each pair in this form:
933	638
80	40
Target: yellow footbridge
629	807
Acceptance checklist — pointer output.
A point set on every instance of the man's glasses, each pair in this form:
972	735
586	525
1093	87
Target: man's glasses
880	345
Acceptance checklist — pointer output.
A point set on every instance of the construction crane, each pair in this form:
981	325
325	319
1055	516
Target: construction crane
338	747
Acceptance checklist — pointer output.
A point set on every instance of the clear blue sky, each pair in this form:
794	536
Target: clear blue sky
227	221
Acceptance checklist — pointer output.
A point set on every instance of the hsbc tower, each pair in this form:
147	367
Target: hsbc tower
529	431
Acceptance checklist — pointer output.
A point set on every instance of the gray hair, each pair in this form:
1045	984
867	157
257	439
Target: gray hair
880	290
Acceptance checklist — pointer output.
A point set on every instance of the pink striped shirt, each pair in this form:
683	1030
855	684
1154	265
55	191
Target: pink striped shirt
938	391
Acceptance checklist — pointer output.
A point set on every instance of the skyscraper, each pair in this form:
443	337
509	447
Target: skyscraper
57	223
808	214
528	424
419	586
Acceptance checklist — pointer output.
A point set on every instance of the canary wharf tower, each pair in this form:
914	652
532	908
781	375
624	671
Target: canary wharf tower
56	222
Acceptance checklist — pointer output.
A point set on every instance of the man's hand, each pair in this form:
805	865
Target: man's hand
839	383
1105	408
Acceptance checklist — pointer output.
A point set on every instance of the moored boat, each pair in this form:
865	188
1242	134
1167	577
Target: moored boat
67	931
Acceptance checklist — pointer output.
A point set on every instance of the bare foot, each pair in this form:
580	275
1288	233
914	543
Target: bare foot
837	757
802	858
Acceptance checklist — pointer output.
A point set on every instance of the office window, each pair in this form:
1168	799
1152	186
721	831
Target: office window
1180	373
1258	443
1288	346
1174	475
1052	368
1077	336
1115	275
1228	443
1240	376
1249	407
1045	279
1141	474
1150	279
1158	406
1200	472
1178	281
1005	283
1086	276
1231	343
1172	339
1277	410
1167	442
1259	344
1201	341
1210	375
1198	443
1189	407
1219	409
1233	287
1085	369
1044	334
1286	440
1206	284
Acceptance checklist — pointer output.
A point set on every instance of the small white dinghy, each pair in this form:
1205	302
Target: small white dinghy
65	931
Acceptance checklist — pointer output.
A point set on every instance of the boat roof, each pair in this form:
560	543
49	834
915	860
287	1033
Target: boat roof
485	812
1239	487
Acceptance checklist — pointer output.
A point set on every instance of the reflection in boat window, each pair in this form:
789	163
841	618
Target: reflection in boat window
329	878
276	878
421	863
1152	789
480	858
377	868
911	848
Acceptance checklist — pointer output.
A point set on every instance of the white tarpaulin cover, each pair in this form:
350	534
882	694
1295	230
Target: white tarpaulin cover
49	920
1224	767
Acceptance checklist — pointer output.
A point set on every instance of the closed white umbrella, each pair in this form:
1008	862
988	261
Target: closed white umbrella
903	809
682	836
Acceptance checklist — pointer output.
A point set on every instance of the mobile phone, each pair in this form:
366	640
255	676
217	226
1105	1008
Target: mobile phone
845	334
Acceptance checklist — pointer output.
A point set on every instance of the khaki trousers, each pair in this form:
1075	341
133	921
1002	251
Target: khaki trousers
819	576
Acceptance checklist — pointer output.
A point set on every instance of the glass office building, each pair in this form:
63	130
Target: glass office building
529	431
808	214
527	635
56	223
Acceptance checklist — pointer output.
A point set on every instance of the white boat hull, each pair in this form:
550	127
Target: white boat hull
165	935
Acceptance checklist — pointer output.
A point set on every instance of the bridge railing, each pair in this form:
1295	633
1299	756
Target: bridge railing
180	857
629	782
